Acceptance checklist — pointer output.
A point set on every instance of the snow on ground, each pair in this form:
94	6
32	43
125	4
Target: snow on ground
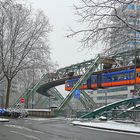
4	120
111	125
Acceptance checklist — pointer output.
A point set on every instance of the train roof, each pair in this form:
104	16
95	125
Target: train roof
114	69
106	71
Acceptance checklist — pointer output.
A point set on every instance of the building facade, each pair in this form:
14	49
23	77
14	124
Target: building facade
124	39
109	95
124	42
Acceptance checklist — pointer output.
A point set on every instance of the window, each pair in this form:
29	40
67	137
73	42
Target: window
121	77
107	78
114	78
138	74
131	6
131	75
118	89
126	76
137	7
94	79
104	79
114	97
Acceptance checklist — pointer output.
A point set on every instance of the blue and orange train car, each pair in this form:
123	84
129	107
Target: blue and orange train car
108	78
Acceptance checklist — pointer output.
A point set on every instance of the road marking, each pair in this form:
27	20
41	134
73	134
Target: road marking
28	136
25	128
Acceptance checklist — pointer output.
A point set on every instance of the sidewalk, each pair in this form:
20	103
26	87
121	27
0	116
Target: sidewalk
4	120
110	125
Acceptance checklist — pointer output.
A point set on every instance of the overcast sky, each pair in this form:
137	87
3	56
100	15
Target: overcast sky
65	51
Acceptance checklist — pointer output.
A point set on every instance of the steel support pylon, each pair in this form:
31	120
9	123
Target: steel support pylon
91	103
31	90
82	79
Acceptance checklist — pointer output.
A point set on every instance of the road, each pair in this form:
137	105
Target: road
54	129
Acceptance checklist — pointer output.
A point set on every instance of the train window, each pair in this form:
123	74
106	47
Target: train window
109	79
94	79
114	78
121	77
126	75
138	74
132	75
104	78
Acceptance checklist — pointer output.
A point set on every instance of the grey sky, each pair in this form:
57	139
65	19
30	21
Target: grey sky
65	51
61	15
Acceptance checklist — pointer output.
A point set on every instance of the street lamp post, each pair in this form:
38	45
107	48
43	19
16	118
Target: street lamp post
106	102
33	84
49	106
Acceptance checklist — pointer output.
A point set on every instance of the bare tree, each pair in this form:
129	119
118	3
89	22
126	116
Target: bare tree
105	21
22	34
1	73
30	76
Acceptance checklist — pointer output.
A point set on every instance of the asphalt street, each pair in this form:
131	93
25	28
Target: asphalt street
55	129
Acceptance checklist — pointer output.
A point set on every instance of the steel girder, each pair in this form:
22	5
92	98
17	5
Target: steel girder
108	107
82	79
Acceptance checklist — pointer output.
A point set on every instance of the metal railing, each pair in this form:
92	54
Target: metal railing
127	115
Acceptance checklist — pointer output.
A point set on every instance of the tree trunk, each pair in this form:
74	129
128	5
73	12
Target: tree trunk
8	93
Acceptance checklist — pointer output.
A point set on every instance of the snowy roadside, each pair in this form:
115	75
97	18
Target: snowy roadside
111	125
4	120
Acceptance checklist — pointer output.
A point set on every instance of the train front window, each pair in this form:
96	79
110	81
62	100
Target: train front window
68	84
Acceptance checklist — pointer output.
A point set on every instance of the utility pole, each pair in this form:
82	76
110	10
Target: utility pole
135	49
106	102
33	85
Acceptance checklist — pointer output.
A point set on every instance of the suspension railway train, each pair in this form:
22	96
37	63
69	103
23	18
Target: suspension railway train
107	78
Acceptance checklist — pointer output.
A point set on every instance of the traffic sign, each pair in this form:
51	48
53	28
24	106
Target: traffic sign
77	94
22	100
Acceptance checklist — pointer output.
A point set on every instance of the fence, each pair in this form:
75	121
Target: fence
122	114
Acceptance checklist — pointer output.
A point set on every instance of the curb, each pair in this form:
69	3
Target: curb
102	128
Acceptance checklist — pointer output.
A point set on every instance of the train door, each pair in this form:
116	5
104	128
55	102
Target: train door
89	83
99	81
138	76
